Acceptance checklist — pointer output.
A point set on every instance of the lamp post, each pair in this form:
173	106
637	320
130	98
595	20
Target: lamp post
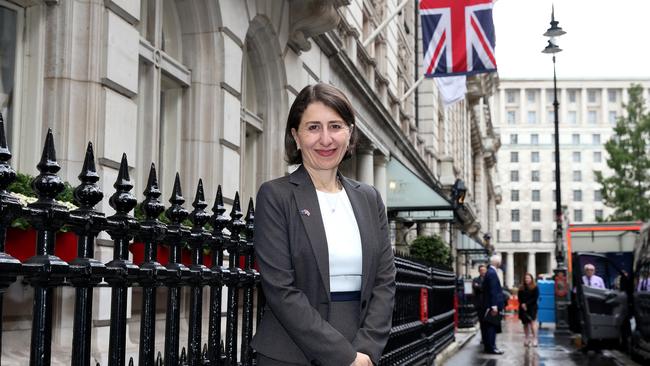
561	287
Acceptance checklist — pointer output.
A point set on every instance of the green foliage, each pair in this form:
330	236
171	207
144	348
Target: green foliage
627	190
23	186
431	249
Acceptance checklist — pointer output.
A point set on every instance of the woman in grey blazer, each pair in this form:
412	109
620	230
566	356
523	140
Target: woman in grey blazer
322	246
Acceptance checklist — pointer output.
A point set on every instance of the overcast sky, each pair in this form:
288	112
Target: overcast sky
605	38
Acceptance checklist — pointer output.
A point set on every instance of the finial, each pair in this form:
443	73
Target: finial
151	204
123	201
88	194
176	213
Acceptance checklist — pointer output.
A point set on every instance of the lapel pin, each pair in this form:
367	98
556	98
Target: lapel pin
305	212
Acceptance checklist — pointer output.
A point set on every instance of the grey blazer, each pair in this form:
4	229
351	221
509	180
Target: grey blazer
291	249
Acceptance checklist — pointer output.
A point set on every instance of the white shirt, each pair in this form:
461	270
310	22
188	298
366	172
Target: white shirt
343	241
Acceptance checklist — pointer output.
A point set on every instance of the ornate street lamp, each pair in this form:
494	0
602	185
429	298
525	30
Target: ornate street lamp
561	287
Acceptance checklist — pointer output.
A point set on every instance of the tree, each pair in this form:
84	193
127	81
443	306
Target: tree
627	189
431	249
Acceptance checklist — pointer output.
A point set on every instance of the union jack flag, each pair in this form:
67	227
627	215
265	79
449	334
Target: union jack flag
458	37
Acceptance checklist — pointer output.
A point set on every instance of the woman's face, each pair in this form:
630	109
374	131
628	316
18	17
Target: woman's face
322	136
527	280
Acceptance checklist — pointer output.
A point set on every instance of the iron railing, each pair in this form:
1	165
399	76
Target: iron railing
412	341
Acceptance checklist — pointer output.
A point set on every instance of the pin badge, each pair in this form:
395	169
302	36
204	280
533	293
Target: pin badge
305	212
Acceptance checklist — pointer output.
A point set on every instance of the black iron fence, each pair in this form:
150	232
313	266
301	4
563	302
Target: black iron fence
423	315
423	318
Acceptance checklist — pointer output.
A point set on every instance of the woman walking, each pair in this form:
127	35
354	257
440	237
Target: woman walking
323	247
528	295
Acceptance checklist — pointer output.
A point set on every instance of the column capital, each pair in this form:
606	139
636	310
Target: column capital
381	159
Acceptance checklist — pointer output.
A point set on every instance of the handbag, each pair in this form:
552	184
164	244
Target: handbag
492	319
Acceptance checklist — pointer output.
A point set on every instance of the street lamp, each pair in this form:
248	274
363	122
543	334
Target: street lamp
561	287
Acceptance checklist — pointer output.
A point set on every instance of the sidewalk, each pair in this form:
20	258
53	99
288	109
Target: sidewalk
552	350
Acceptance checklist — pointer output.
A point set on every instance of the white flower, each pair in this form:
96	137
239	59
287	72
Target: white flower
25	200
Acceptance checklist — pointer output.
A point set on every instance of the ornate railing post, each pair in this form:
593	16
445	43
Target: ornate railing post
200	274
121	271
178	273
252	275
219	222
85	271
151	272
9	208
45	270
232	280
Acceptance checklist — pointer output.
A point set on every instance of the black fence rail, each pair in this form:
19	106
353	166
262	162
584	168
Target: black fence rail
423	318
467	315
216	232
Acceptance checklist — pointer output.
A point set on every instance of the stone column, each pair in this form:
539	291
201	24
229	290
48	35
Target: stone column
380	178
510	270
365	164
531	264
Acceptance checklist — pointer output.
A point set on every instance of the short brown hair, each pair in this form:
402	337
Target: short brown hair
533	284
331	97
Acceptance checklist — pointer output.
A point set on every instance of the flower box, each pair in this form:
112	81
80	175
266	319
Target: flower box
21	244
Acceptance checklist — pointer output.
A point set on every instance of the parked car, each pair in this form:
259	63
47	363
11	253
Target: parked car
640	345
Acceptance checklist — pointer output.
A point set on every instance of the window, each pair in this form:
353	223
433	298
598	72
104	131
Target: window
515	236
514	138
532	117
161	98
514	215
537	215
592	117
514	195
612	117
575	139
572	96
598	214
554	195
511	96
512	117
576	157
514	176
598	195
514	157
531	96
535	195
534	176
550	96
577	215
612	95
537	235
595	139
577	195
534	139
553	176
572	117
9	48
550	117
592	96
598	156
577	176
534	156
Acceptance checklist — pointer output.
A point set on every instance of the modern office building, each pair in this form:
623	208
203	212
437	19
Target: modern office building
524	117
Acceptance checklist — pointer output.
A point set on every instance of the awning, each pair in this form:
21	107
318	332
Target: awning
411	199
468	244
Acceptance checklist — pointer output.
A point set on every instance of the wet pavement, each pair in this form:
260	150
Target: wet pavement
552	350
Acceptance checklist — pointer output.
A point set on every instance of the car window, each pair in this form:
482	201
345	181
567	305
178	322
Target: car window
642	280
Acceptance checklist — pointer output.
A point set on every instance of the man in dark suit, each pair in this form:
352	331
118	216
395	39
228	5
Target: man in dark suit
477	297
492	305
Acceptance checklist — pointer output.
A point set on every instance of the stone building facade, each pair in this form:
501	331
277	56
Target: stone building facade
203	87
524	116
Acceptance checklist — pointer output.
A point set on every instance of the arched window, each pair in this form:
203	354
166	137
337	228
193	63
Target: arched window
252	123
163	82
11	18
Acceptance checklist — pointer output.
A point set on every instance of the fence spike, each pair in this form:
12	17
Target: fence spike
151	204
159	361
48	162
88	193
219	220
250	218
130	361
47	184
122	200
198	216
183	359
176	213
205	351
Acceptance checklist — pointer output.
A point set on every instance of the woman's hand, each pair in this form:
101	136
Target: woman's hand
523	306
361	360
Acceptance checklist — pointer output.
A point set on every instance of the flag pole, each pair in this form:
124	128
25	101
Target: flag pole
383	24
412	89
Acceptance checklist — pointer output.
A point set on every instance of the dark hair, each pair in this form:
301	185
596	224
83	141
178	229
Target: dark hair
482	265
331	97
533	284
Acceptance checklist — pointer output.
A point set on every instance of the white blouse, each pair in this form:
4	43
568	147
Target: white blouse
343	241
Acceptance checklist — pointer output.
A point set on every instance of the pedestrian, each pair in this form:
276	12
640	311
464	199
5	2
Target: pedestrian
528	295
477	297
323	246
590	278
492	303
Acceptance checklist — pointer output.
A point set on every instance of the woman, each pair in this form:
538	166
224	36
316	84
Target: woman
528	295
322	246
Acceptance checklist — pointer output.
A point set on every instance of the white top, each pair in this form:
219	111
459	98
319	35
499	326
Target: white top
343	241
